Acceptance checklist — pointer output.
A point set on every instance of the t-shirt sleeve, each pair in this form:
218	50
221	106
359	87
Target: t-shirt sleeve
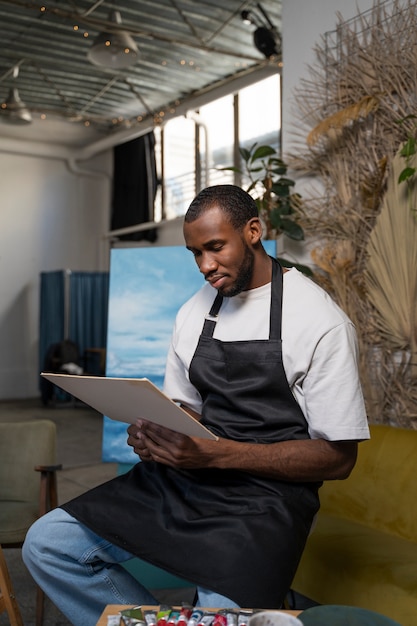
177	384
331	390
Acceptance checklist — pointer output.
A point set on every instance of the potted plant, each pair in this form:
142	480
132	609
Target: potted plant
273	193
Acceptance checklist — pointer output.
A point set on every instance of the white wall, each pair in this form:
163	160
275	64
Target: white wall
50	219
304	24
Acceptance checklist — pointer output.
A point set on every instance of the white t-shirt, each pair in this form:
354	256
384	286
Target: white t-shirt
319	349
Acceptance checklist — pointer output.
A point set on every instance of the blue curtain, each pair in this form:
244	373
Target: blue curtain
89	294
52	312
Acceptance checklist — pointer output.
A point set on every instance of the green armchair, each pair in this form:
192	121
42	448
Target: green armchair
28	486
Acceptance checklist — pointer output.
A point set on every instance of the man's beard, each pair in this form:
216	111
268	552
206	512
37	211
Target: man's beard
244	275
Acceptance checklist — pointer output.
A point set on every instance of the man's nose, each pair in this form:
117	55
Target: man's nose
207	263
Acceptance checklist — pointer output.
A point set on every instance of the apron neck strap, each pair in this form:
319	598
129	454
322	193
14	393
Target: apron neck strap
275	315
211	319
275	309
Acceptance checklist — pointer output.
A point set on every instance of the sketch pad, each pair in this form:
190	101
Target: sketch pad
129	399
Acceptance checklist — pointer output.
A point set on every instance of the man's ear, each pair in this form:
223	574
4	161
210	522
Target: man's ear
253	230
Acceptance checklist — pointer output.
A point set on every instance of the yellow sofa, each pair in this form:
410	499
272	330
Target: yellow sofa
363	548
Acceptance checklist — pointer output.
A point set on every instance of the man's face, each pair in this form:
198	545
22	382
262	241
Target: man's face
221	252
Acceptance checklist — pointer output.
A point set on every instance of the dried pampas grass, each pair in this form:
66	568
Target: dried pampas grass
332	125
363	84
391	267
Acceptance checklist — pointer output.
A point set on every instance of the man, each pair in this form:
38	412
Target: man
232	515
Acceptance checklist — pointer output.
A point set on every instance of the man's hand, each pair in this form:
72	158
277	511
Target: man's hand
156	443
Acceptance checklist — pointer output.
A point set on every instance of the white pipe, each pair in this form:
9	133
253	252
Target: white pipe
74	168
49	151
138	228
193	102
192	115
32	148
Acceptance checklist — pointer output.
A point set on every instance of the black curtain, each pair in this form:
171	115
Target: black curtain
134	186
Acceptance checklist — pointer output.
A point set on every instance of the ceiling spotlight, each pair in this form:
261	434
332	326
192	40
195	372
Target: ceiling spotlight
116	49
14	109
265	41
265	37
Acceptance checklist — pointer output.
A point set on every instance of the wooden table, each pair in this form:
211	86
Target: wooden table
113	609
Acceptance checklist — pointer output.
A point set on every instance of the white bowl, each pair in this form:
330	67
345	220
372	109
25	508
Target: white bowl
273	618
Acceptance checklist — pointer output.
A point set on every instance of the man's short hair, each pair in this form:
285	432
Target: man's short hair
237	204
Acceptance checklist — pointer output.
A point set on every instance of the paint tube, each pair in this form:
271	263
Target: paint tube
231	617
243	618
207	619
129	621
185	615
220	619
132	617
162	615
150	617
173	618
195	617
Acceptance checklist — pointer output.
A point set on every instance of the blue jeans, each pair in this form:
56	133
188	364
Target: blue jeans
81	572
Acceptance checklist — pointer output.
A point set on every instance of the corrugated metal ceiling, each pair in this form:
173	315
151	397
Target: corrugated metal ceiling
185	48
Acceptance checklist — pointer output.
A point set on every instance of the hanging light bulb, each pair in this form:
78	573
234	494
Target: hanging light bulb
115	50
15	110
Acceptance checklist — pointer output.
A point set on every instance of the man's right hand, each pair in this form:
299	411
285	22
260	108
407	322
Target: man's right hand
135	439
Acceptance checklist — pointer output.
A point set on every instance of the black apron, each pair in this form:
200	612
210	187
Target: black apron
229	531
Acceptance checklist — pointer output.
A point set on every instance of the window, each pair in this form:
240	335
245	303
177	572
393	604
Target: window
259	113
179	165
192	150
218	118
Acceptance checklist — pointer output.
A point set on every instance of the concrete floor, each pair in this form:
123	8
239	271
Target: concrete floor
79	439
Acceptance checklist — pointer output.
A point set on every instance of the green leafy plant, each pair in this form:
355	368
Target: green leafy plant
408	152
273	193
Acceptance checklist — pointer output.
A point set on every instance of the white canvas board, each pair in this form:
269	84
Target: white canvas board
129	399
